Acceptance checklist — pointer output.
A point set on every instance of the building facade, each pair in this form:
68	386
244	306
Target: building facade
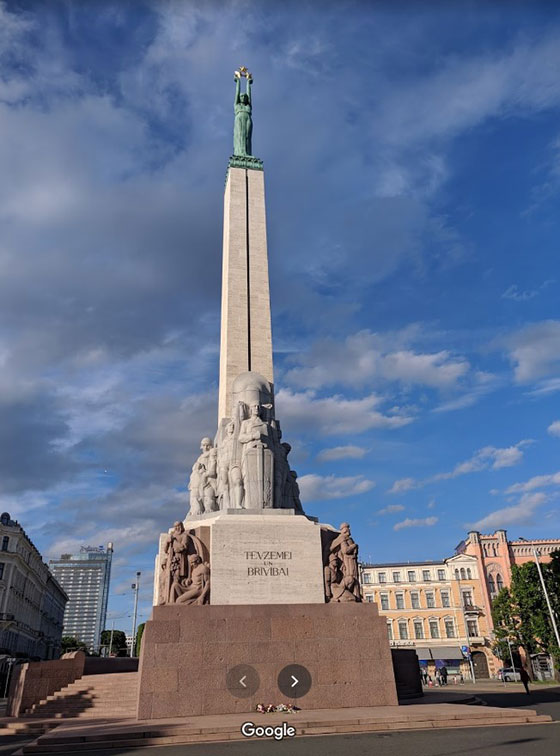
437	609
85	577
32	602
495	556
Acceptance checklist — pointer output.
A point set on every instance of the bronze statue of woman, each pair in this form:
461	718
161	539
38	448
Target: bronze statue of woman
243	124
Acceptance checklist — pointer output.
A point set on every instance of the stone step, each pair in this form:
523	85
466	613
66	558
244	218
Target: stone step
161	734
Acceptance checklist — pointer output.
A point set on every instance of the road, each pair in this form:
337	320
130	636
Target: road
518	740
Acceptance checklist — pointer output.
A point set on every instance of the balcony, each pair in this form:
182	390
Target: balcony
472	609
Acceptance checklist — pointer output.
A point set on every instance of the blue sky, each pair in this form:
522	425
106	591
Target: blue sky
412	158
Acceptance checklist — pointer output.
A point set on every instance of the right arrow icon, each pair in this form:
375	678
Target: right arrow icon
294	681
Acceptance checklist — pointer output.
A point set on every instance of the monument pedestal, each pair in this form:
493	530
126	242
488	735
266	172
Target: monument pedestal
187	652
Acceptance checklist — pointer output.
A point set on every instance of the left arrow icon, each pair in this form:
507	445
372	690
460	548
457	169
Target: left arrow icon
242	681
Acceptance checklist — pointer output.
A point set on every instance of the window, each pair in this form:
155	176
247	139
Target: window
400	600
463	574
390	630
369	598
5	542
415	600
367	577
472	628
449	628
2	565
418	629
467	598
445	599
403	630
499	582
441	574
411	576
491	585
396	577
384	601
430	600
434	629
426	576
381	577
469	575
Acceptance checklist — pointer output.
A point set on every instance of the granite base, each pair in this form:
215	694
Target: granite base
187	652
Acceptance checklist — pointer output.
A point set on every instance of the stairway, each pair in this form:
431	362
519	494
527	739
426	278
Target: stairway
92	697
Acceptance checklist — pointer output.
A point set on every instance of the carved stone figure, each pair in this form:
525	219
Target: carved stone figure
291	498
257	460
346	551
203	480
344	591
249	467
196	588
332	575
243	124
230	477
281	472
174	563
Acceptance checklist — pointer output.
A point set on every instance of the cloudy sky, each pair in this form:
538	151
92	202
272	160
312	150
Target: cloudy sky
412	157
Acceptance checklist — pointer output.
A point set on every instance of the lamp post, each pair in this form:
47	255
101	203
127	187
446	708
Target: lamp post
135	588
461	602
111	640
549	605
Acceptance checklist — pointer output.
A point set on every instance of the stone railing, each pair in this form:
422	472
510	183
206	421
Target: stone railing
34	681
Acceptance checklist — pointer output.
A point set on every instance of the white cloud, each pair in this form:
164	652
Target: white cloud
518	514
402	485
487	458
391	509
305	412
543	388
482	383
513	292
554	428
426	522
538	481
535	351
365	356
341	452
316	487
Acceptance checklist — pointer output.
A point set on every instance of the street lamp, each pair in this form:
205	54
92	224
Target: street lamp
550	611
462	605
135	588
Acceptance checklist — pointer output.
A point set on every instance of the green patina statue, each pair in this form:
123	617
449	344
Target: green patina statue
243	124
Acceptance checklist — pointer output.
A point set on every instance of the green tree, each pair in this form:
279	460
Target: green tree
139	634
69	643
119	640
521	614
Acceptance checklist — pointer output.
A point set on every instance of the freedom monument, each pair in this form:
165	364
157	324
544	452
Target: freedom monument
253	599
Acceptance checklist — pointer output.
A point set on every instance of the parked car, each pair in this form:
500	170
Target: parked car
509	674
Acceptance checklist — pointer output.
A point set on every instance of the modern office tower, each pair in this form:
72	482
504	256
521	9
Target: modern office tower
85	578
31	600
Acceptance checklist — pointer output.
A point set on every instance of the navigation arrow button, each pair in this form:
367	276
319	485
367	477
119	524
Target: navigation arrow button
294	681
242	681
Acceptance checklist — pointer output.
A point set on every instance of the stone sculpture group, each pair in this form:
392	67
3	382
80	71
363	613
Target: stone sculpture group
248	467
342	582
185	576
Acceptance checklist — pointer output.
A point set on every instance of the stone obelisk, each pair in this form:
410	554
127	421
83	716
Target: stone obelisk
246	339
249	590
